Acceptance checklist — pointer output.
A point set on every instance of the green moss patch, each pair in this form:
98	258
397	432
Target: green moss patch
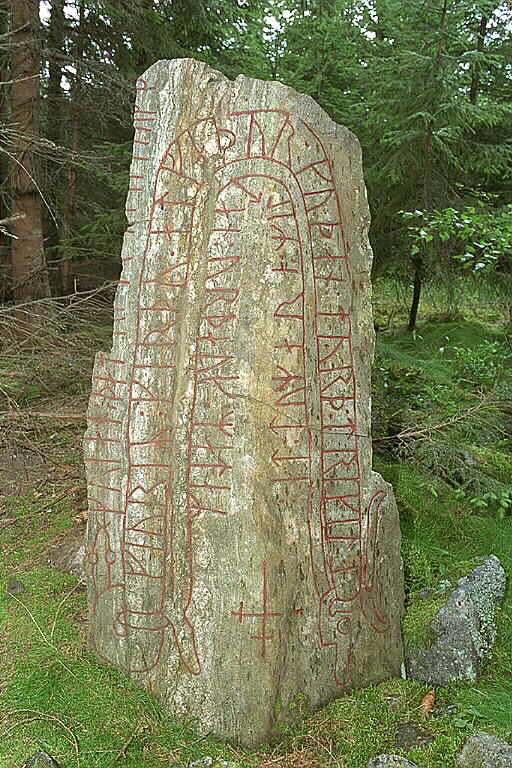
32	523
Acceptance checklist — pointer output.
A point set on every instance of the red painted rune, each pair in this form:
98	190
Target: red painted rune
265	614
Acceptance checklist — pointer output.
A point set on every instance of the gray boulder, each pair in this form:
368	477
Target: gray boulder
76	563
483	750
464	627
390	761
13	587
40	759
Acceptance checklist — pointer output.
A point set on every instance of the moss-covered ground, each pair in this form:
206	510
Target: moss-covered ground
442	437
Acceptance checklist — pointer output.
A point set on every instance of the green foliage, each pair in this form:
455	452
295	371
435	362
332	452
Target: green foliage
420	124
439	401
498	504
484	364
467	716
453	490
31	524
491	696
487	701
440	529
478	236
417	629
57	694
368	722
429	138
47	667
484	232
498	457
442	394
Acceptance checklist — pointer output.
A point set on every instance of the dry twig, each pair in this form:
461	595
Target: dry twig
44	717
484	404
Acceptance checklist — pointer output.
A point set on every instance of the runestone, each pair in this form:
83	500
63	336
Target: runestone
243	559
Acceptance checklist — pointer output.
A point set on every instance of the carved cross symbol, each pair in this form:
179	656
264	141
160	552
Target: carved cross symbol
265	614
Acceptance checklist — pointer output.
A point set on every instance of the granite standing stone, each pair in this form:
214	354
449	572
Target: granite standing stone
243	559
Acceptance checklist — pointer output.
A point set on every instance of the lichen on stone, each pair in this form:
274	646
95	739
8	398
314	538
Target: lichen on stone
464	628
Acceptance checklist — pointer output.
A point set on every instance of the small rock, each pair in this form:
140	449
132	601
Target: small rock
210	762
423	593
14	587
483	750
76	563
40	759
471	459
464	626
390	761
409	736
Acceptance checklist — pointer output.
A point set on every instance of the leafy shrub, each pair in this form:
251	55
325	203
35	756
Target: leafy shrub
484	364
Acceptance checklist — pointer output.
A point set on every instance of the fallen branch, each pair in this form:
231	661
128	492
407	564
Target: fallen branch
42	415
66	597
46	718
84	295
482	405
15	217
122	751
57	499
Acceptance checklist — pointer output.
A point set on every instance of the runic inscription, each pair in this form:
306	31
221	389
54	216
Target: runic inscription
265	614
228	451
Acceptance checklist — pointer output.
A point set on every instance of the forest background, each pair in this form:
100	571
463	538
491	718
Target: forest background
426	86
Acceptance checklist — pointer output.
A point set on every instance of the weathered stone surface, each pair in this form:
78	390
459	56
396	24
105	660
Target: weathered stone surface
242	556
409	736
391	761
464	626
75	564
40	759
13	587
483	750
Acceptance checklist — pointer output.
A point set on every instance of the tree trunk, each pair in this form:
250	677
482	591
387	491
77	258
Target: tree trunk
418	276
475	78
55	57
27	255
419	260
5	206
54	116
380	20
65	260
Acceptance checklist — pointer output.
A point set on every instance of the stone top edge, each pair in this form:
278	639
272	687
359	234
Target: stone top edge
330	127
